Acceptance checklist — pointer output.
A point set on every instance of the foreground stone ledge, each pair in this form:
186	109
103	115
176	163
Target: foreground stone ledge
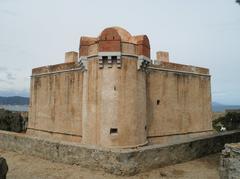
117	161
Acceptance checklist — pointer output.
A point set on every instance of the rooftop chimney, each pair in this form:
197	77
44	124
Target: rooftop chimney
162	56
71	57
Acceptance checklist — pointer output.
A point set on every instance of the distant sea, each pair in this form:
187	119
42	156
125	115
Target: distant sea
15	107
222	108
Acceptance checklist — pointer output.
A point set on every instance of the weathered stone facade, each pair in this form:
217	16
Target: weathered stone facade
113	95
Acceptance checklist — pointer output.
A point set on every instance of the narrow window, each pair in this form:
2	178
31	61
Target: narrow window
114	57
114	88
113	131
105	59
158	102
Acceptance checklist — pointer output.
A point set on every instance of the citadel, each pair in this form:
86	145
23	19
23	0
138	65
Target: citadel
111	94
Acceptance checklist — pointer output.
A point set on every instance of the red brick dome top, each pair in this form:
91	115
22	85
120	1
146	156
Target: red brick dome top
110	40
115	33
118	33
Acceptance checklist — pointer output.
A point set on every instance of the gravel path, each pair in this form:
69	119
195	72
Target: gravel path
28	167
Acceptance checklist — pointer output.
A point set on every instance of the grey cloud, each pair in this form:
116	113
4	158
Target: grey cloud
219	93
6	81
7	12
10	76
6	76
3	69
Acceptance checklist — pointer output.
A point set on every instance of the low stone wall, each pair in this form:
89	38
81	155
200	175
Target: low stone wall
117	161
230	162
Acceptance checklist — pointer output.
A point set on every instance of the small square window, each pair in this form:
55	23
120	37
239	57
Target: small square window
113	131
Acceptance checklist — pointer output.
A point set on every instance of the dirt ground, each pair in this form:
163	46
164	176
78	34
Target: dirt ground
28	167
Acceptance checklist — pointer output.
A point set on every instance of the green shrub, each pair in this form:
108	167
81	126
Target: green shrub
12	121
230	121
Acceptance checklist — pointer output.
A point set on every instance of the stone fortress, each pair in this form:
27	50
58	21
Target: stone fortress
112	95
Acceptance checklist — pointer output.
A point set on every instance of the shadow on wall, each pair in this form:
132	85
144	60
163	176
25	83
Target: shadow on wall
13	121
230	121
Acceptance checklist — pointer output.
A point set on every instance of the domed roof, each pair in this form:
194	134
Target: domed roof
116	31
114	39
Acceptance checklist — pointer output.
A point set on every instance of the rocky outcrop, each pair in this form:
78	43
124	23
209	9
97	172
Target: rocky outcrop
12	121
3	168
230	162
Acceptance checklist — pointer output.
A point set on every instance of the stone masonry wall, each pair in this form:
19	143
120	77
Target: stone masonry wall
178	103
116	161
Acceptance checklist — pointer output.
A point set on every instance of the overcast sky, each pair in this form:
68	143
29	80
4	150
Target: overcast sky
201	33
